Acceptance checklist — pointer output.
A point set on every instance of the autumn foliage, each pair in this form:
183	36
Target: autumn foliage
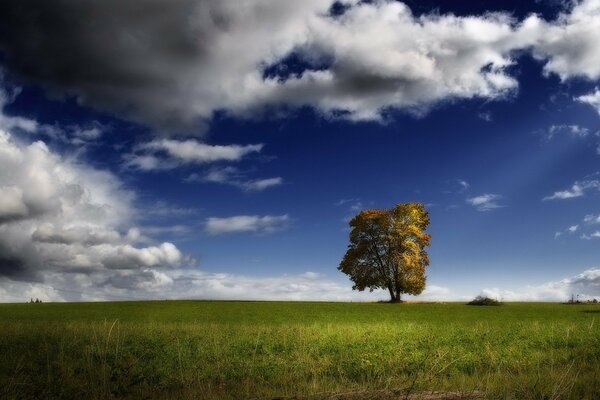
387	250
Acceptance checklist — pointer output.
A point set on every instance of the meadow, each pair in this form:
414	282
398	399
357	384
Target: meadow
238	350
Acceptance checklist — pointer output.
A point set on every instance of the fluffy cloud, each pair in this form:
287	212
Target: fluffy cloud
485	202
593	99
57	215
246	223
174	66
569	44
234	177
578	189
166	153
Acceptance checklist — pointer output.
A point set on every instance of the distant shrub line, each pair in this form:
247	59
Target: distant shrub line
484	301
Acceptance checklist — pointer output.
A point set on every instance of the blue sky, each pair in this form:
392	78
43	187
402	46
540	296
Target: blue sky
224	159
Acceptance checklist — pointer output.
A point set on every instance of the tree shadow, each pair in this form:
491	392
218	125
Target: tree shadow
591	311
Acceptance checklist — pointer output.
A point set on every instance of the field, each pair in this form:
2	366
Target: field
234	350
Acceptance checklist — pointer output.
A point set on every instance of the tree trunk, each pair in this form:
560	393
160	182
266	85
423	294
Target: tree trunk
391	293
396	297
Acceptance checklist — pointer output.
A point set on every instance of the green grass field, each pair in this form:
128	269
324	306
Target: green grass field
206	350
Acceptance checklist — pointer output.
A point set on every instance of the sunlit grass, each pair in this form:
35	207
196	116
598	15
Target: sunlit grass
206	350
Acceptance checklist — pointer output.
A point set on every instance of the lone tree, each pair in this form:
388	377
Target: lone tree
387	250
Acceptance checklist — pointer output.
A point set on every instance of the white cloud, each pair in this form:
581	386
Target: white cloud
162	154
11	202
485	202
486	116
234	177
59	215
570	43
9	122
575	131
182	283
592	219
577	190
464	185
593	235
164	209
586	285
219	56
246	223
593	99
588	221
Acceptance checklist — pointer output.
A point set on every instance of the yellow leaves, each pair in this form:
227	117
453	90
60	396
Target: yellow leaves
387	249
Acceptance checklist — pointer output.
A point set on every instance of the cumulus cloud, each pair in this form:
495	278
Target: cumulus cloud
58	215
485	202
173	66
586	285
569	44
593	99
246	223
578	189
234	177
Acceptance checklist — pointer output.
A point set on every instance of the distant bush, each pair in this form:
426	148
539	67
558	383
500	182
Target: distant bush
484	301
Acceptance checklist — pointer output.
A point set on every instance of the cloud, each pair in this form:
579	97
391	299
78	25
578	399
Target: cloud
593	235
151	283
592	219
486	116
246	223
485	202
163	154
464	185
588	221
578	189
164	209
593	99
59	215
586	285
575	131
173	66
11	122
234	177
569	44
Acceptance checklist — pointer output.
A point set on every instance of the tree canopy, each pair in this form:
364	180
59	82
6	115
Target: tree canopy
387	250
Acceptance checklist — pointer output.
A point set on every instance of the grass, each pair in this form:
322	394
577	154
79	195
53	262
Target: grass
233	350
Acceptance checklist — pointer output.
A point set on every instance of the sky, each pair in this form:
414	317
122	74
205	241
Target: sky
217	149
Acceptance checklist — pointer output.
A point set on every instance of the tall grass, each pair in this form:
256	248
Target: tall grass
233	350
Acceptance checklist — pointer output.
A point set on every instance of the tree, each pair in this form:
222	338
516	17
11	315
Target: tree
387	250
